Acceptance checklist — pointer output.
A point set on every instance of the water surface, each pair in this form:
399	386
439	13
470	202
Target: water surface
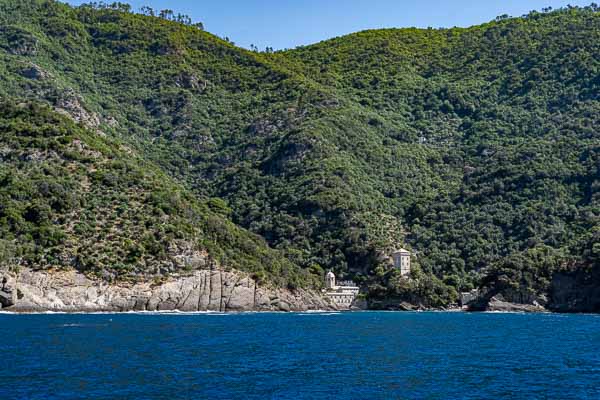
367	355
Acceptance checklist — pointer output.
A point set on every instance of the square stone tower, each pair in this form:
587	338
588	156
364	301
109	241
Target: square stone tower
330	280
402	261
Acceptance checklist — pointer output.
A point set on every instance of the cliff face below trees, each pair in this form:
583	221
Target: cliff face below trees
204	290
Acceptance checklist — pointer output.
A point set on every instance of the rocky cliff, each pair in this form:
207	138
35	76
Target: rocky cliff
204	290
576	291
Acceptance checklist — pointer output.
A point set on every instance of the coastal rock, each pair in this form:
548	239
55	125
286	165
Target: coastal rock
7	293
6	299
575	292
393	305
497	303
507	301
202	290
404	306
359	304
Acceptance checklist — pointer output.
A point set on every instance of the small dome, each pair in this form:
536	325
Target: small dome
330	275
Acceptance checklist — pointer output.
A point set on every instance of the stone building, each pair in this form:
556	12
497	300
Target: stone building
343	293
468	297
402	261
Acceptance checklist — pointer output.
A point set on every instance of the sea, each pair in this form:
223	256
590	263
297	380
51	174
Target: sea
318	355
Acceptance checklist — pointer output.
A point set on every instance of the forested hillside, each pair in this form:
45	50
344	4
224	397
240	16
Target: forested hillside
476	148
72	198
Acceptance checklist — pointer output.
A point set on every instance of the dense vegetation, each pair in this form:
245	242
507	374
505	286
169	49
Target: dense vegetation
72	198
477	148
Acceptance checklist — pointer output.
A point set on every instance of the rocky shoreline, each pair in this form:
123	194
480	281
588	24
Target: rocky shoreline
224	291
203	290
494	305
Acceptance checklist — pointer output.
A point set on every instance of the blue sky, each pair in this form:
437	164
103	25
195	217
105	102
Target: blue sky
289	23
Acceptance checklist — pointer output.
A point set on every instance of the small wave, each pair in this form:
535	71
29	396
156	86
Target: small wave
75	325
512	312
317	313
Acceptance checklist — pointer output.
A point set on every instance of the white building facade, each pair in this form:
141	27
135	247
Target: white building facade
342	294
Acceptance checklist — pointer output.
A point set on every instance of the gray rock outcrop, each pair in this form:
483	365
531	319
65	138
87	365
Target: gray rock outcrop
70	103
497	303
34	71
507	301
203	290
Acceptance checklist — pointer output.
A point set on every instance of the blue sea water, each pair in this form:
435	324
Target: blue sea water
365	355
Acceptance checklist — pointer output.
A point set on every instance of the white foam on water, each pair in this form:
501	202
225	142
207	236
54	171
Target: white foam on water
316	313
